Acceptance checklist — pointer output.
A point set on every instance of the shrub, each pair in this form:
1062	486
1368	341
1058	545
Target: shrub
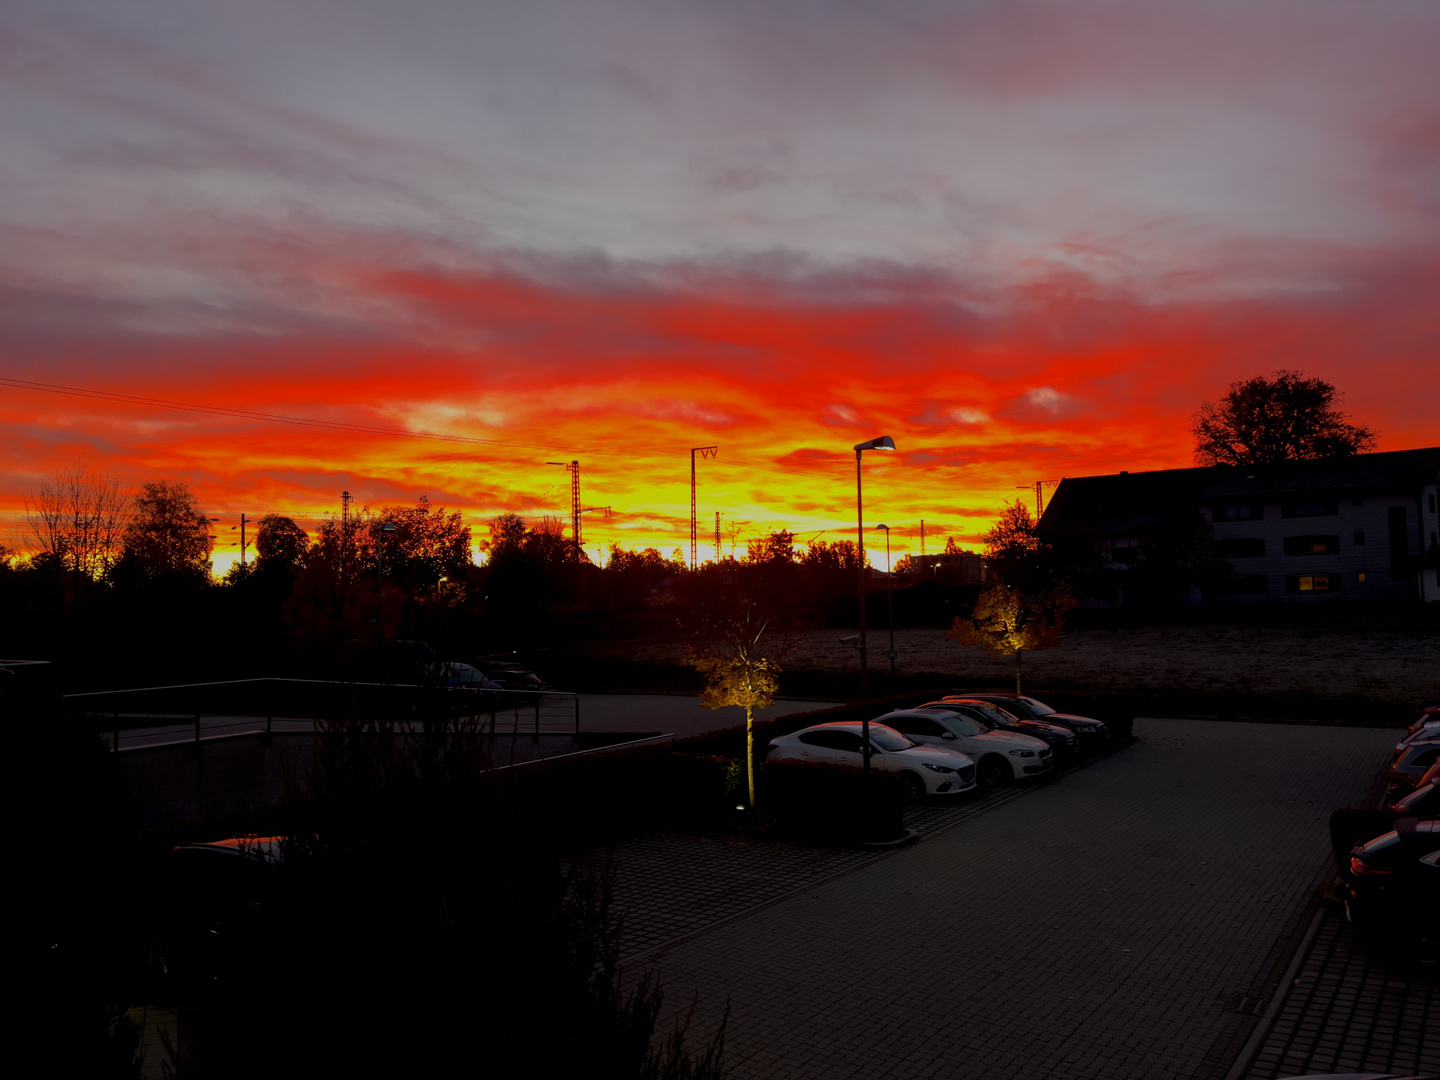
830	802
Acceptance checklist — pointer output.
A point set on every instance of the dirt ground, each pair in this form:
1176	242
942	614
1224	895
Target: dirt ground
1399	664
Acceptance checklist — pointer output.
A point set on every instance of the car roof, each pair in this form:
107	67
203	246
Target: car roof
849	725
1417	827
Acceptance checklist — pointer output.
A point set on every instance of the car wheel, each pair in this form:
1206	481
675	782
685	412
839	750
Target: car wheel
914	787
994	771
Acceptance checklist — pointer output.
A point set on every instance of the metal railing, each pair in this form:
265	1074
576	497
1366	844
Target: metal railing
405	705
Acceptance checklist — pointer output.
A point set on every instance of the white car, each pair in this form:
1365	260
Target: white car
1429	729
925	770
1002	756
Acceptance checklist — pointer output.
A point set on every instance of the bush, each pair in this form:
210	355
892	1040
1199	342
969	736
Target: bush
830	802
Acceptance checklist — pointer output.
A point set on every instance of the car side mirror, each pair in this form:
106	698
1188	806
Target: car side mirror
947	735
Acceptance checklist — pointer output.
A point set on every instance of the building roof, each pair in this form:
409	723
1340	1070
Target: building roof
1125	503
1396	468
1122	503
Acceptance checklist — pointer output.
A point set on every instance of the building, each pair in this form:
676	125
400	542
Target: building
1325	530
954	568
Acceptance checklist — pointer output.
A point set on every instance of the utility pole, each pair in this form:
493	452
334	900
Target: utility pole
573	468
704	452
344	535
242	539
1039	486
922	538
717	536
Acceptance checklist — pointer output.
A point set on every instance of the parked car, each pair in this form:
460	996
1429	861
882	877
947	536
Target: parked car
1002	756
1094	734
1393	884
470	677
516	679
1429	729
1064	744
1413	762
925	770
214	903
1430	713
1424	801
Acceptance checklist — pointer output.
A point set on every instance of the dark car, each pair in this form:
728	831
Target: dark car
214	903
515	679
1392	885
1423	802
1064	744
1094	734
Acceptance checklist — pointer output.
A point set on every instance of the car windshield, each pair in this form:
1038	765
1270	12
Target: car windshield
967	725
1036	707
995	716
888	739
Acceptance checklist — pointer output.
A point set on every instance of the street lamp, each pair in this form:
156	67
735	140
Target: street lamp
883	442
889	604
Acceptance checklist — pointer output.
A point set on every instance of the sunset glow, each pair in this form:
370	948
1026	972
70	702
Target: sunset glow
1024	244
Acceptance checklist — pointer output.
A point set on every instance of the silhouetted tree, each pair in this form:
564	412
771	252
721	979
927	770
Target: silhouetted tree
1284	417
167	535
280	543
78	520
779	546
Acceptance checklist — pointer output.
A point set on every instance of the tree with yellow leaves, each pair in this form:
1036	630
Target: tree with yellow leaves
738	679
1024	607
743	615
1006	620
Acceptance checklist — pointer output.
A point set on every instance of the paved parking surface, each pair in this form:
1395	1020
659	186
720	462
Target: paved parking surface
1350	1010
1091	928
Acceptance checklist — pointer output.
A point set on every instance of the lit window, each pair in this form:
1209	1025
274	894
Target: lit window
1360	577
1322	582
1307	583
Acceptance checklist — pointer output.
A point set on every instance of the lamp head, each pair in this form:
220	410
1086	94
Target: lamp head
885	527
882	442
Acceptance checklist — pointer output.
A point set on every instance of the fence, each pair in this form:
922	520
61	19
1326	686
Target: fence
232	703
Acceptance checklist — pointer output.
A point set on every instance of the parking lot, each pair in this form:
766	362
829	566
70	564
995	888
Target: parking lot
1105	925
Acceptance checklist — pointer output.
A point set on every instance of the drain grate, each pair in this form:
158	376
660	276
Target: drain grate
1247	1004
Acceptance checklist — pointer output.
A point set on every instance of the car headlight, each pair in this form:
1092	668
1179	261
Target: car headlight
937	768
1022	753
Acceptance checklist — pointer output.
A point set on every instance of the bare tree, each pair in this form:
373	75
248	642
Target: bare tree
78	519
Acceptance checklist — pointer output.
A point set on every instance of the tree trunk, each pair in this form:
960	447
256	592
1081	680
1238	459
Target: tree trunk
750	753
1017	671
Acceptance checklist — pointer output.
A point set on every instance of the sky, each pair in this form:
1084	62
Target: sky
1025	240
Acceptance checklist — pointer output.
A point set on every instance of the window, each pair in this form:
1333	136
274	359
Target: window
1432	502
1239	512
1239	547
916	725
1360	538
1312	545
887	739
833	739
967	726
1312	583
1309	507
1360	578
1426	758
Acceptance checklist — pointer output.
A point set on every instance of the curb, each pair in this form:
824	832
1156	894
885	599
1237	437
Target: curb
909	837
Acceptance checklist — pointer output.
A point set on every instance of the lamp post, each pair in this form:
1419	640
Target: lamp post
889	604
882	442
387	528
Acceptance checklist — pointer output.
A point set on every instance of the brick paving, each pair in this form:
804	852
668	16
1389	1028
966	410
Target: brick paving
1350	1010
673	886
1084	929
